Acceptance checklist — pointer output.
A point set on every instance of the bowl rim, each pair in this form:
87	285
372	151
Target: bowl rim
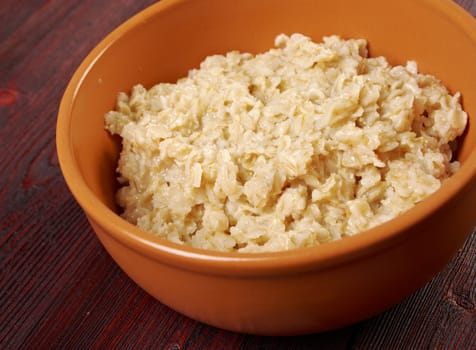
319	257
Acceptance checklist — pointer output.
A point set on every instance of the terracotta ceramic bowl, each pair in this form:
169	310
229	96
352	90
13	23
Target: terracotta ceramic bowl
294	292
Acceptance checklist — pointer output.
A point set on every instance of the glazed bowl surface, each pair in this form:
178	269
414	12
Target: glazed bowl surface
298	291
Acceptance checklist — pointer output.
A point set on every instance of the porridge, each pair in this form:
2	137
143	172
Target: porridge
301	145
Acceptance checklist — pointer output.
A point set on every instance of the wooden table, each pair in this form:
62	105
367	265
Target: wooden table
58	286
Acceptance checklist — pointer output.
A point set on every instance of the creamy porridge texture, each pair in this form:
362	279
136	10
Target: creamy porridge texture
301	145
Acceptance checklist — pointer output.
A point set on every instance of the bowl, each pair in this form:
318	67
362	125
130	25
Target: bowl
282	293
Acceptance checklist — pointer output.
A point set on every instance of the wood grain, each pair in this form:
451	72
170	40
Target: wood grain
59	289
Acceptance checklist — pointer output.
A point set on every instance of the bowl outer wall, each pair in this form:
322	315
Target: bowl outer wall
306	301
97	78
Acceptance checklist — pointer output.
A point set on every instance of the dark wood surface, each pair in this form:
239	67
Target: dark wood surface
59	289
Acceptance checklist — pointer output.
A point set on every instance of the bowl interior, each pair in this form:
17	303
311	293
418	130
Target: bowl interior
165	41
